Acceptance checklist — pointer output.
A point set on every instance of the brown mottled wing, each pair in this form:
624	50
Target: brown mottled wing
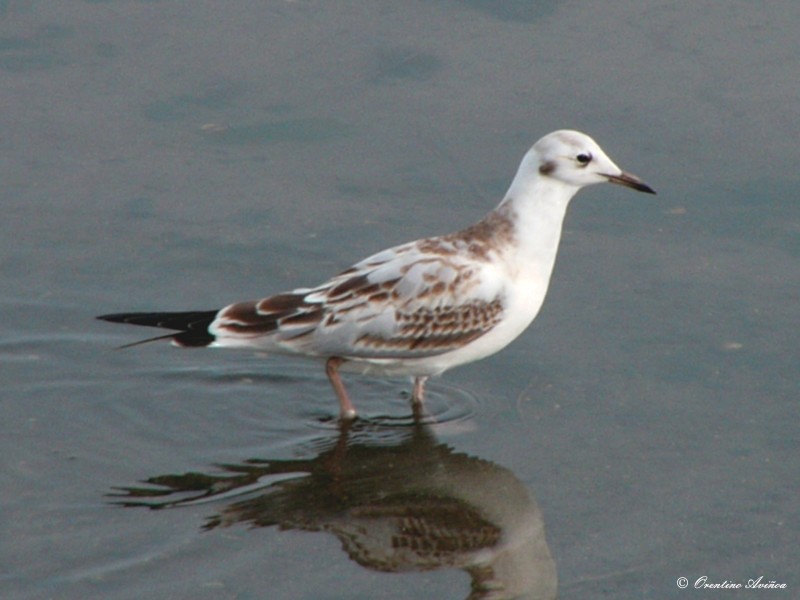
409	302
406	302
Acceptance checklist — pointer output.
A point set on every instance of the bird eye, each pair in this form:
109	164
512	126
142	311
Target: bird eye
584	158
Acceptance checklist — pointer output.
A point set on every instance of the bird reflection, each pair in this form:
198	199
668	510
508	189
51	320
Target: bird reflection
397	500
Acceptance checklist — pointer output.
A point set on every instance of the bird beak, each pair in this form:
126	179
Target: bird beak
630	181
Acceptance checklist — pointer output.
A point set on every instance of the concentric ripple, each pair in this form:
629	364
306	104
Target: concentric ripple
388	405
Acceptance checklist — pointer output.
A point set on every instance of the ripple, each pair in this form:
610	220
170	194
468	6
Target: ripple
447	408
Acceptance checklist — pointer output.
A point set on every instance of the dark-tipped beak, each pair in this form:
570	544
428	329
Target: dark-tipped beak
631	181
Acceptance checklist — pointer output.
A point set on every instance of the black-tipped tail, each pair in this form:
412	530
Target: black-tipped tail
192	327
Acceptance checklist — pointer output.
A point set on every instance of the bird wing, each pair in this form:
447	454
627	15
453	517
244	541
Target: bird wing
420	299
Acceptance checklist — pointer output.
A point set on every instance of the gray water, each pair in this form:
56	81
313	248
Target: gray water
169	156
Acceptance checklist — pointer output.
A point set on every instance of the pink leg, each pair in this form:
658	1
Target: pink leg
418	395
346	408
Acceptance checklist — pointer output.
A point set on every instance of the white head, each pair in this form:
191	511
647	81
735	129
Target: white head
575	159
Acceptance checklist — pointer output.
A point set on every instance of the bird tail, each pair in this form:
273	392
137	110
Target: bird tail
191	327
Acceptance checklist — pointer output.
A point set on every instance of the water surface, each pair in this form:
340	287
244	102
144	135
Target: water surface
184	156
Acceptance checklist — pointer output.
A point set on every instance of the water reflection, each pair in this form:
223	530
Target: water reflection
395	497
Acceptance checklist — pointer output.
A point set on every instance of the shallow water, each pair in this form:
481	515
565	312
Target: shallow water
169	156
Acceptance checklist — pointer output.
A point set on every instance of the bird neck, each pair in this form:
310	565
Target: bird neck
539	206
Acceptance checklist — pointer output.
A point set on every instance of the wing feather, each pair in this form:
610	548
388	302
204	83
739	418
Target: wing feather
406	302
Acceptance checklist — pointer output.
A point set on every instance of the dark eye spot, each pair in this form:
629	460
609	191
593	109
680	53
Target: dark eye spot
584	158
547	168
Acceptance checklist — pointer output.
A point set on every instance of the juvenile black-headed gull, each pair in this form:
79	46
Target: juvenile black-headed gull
423	307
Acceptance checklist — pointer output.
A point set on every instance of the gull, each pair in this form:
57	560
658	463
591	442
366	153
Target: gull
426	306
